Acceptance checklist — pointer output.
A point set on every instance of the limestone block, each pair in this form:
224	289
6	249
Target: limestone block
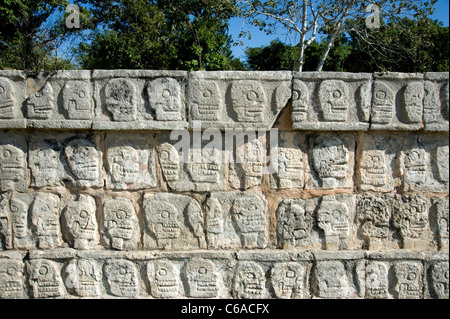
436	102
202	279
424	163
441	209
397	102
12	277
45	279
331	101
5	223
335	214
377	161
436	279
164	278
139	100
83	278
14	175
237	219
377	284
295	224
173	222
330	161
410	217
72	159
191	167
130	161
373	215
289	172
237	99
13	89
338	276
45	216
21	227
289	280
79	222
249	281
120	227
121	278
61	101
409	280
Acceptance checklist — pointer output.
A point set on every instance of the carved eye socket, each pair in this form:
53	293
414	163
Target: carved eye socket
6	154
43	270
123	270
251	275
45	208
162	272
252	96
380	95
289	155
82	94
202	270
290	273
121	214
446	275
2	90
165	214
337	94
207	94
296	95
166	94
11	271
164	155
411	276
83	214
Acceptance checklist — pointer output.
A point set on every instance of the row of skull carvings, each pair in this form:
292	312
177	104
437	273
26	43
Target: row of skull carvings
145	99
383	163
225	278
228	220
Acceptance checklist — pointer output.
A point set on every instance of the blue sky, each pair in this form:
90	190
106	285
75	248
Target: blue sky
260	38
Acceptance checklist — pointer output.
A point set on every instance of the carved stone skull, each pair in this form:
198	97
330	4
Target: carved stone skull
121	100
333	100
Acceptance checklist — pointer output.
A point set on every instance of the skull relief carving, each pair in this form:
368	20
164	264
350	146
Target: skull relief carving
373	168
13	172
248	101
165	99
84	162
249	280
333	219
77	100
413	97
383	104
121	223
11	279
201	279
164	280
300	101
377	280
249	215
83	278
122	278
45	220
121	100
40	105
7	110
170	162
333	100
45	279
123	164
294	223
288	280
206	101
409	280
440	279
162	220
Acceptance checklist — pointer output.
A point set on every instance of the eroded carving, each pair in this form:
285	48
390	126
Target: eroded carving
383	104
215	220
80	221
40	105
207	168
84	162
170	162
290	168
164	279
442	163
300	101
120	223
249	281
206	100
249	213
121	100
410	216
430	103
440	279
83	278
408	280
45	279
121	277
165	99
293	222
248	101
7	101
45	165
442	208
331	280
377	285
330	157
45	220
162	220
77	100
373	168
412	98
11	279
333	100
22	238
123	164
201	279
374	214
13	171
415	164
333	219
288	280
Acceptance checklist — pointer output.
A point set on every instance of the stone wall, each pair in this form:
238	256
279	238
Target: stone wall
98	201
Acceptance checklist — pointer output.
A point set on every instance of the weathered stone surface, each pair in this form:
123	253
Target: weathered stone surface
436	102
237	99
236	219
13	164
139	100
331	161
331	101
397	102
173	222
13	90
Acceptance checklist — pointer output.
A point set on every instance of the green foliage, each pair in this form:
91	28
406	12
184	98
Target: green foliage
164	34
417	46
28	40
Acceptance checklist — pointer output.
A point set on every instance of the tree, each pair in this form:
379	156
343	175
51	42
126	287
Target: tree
159	34
306	19
31	33
273	57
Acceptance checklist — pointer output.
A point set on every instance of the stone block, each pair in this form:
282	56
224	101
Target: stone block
436	102
139	100
331	101
13	90
14	175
